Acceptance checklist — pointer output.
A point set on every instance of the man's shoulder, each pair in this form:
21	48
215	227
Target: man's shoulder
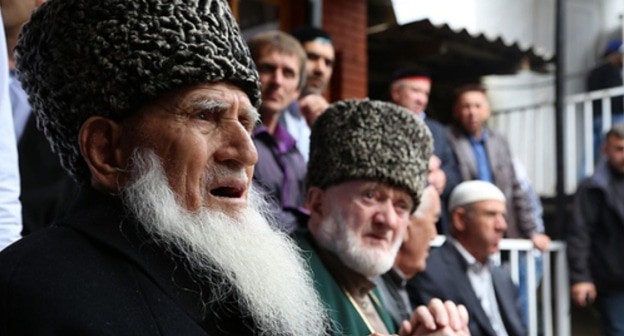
455	133
494	134
59	257
55	243
438	268
432	123
439	256
62	281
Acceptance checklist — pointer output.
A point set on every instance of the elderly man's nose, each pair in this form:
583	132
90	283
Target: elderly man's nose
238	147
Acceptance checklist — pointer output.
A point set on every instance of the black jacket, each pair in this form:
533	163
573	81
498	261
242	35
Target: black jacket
442	149
445	278
596	232
97	274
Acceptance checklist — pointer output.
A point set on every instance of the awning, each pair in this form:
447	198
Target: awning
454	56
513	23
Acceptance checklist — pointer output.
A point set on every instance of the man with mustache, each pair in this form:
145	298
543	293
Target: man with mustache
150	105
367	170
461	269
281	168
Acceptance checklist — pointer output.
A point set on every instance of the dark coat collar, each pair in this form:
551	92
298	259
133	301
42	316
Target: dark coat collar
104	220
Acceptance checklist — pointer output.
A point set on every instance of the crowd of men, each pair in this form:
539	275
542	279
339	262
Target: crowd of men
218	192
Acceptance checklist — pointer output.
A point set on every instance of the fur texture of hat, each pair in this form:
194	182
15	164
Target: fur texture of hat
370	140
82	58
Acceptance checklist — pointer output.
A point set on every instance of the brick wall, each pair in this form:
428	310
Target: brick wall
346	21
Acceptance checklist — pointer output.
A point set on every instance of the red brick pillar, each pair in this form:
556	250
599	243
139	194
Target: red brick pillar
346	21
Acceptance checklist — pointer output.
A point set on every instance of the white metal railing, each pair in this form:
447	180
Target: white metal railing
530	131
580	136
554	285
531	136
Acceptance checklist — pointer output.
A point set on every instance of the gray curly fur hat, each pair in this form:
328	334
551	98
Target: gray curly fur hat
83	58
373	140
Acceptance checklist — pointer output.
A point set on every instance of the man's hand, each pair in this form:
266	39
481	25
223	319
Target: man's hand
436	176
583	293
312	106
437	319
541	241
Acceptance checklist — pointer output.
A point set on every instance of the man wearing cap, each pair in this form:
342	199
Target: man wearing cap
150	105
302	112
461	269
411	257
410	88
281	168
367	169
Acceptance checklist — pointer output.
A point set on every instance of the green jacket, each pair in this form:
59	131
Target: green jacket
345	319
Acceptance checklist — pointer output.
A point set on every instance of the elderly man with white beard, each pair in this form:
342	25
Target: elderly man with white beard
150	105
367	169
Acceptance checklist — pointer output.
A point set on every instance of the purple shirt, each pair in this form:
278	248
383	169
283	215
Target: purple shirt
280	172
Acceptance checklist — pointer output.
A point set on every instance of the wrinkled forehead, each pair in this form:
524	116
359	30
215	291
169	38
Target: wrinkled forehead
206	97
353	188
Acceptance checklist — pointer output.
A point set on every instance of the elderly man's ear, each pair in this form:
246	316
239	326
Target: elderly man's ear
315	203
100	146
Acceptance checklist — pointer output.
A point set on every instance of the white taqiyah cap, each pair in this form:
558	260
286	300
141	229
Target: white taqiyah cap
474	191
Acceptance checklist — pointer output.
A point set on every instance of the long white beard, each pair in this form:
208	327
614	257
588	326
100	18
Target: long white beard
336	236
264	267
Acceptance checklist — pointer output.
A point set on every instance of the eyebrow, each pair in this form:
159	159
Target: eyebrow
317	55
214	104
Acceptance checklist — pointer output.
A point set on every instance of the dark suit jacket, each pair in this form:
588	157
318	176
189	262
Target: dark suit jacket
520	220
442	149
446	278
97	274
47	189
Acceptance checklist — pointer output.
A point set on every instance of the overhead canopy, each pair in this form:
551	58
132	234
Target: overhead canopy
515	22
453	56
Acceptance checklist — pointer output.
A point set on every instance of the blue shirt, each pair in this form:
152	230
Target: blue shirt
484	172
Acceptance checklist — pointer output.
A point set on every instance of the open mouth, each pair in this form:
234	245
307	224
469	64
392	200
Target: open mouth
227	192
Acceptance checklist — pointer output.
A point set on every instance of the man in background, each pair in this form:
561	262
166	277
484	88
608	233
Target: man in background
366	173
281	169
461	270
302	112
483	154
595	237
411	88
412	256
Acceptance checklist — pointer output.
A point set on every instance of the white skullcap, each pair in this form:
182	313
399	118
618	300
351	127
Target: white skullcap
474	191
